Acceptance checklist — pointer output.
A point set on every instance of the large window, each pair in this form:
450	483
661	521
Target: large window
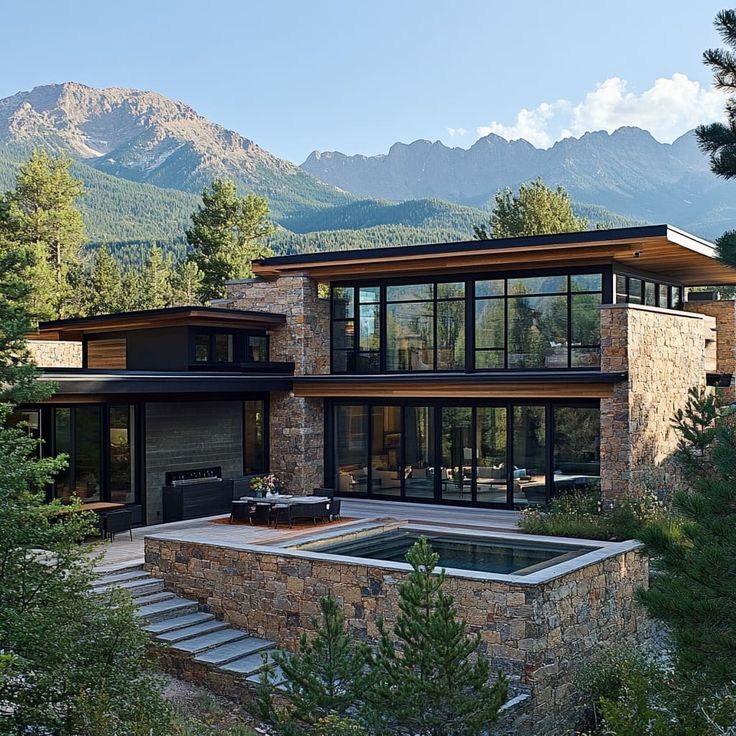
78	434
515	323
538	322
100	442
122	453
509	454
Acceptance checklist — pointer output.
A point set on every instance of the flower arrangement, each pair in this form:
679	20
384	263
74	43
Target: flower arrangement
265	485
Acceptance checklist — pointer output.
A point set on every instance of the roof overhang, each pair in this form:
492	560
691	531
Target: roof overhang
77	328
509	385
80	384
658	249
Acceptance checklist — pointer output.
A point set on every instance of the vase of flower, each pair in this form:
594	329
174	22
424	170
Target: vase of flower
265	485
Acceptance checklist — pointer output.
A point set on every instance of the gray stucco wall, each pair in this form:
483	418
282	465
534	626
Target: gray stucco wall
188	435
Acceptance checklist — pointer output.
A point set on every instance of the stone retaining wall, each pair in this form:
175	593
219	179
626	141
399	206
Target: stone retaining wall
537	634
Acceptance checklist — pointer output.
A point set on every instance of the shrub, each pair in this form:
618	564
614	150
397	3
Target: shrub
583	515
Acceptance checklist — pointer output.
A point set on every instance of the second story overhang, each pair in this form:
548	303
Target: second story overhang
77	385
509	384
657	249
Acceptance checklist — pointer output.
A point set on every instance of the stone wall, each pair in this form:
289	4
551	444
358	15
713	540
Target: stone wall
305	338
188	435
664	353
724	313
296	424
56	353
537	634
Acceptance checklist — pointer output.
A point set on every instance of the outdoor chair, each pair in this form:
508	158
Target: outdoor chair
327	492
115	522
334	509
242	510
280	510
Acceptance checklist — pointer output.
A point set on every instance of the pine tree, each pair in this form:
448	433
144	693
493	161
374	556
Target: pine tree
226	236
719	139
535	210
187	283
323	682
18	375
74	663
104	287
694	590
431	678
156	290
40	213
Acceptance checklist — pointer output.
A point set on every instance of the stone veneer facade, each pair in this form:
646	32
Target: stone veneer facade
56	353
724	313
538	634
664	353
296	424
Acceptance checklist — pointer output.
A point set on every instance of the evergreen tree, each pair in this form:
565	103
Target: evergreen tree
694	590
226	236
431	678
40	214
323	682
105	292
535	210
187	283
156	290
74	663
17	374
719	139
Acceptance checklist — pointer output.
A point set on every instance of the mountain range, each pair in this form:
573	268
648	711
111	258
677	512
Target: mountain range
144	159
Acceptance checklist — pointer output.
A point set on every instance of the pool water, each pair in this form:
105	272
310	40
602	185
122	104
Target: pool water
463	552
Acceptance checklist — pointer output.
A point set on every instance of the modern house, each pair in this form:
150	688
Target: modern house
489	373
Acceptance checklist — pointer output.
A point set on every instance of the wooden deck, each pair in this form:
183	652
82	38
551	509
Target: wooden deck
124	553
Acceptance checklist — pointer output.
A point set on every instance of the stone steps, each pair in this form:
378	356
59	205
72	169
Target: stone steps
180	624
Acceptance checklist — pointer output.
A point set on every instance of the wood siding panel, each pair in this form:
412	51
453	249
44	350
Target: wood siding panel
107	353
494	390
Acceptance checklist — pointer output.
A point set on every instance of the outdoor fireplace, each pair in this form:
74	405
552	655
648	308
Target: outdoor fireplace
197	492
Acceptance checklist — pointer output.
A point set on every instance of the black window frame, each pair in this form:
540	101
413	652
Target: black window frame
437	405
240	347
354	366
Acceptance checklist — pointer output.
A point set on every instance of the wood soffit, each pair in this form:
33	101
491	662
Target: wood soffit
659	255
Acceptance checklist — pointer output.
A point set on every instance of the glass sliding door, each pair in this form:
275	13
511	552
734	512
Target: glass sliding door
122	454
87	435
457	454
576	447
63	445
529	438
385	451
351	448
420	463
491	469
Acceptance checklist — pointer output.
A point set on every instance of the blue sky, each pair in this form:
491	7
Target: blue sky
357	76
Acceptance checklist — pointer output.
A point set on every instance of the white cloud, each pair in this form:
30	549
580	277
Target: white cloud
456	131
669	108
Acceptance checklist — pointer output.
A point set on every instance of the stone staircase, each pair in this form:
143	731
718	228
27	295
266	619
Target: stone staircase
182	625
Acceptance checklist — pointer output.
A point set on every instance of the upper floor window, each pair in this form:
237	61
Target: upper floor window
633	290
519	322
228	348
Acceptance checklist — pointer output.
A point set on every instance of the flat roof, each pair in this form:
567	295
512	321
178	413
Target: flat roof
157	385
145	319
659	249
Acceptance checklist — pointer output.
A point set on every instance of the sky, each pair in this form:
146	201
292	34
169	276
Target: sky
357	76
